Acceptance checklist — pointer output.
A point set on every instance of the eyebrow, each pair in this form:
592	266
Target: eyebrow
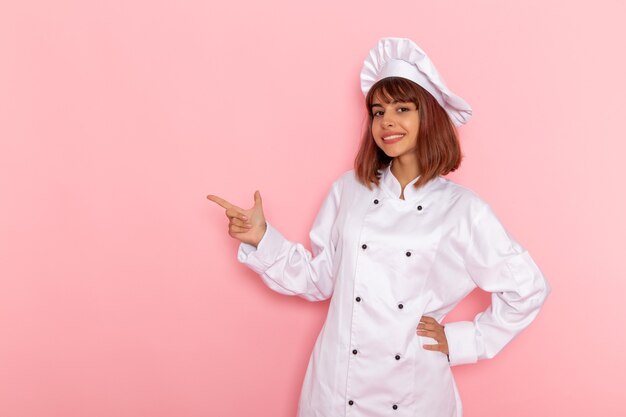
379	105
392	102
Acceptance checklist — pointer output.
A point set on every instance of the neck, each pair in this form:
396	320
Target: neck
404	171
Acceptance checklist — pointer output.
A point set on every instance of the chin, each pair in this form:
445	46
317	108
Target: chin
386	152
393	154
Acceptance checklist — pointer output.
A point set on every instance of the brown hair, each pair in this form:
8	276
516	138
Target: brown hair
438	149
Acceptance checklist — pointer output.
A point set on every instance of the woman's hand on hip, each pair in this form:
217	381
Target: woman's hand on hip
249	225
429	327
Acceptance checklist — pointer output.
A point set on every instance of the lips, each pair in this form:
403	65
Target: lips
392	137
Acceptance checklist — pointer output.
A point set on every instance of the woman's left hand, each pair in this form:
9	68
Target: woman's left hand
429	327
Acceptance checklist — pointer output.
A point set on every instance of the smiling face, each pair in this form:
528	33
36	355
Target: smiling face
428	145
395	125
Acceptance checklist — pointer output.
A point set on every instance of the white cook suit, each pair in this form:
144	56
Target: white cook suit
386	262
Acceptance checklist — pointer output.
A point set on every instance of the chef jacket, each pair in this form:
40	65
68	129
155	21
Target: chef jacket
385	262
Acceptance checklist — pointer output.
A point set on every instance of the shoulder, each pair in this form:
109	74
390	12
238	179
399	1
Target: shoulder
350	180
345	179
348	189
342	182
458	189
461	196
347	176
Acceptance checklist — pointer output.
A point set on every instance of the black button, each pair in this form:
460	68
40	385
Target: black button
350	402
419	207
397	357
400	306
395	407
376	201
364	246
358	299
354	351
408	253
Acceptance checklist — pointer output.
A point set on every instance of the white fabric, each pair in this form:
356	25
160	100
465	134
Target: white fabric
456	243
401	57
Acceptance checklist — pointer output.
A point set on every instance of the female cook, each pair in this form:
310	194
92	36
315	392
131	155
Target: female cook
396	246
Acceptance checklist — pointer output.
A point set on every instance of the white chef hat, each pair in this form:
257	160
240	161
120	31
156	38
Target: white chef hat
401	57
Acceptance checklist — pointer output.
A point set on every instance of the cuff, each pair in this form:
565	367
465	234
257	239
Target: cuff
461	338
262	256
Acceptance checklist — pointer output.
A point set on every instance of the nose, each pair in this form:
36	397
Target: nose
388	119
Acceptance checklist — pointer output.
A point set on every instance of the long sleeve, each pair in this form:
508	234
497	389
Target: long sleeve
500	265
288	267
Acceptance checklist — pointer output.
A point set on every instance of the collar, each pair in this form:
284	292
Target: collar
391	186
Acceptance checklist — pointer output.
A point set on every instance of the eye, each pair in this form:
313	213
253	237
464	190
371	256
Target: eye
404	107
377	113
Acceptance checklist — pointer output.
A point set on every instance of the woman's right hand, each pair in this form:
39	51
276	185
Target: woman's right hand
248	226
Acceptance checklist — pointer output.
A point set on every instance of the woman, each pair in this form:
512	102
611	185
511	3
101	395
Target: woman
397	246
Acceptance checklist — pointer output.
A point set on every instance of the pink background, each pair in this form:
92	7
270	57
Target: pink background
120	293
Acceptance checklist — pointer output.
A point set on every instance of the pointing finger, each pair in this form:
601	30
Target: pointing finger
219	201
231	209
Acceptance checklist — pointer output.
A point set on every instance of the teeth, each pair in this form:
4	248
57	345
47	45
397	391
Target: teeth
392	137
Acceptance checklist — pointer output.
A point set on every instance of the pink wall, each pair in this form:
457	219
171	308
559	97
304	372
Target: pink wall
120	293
